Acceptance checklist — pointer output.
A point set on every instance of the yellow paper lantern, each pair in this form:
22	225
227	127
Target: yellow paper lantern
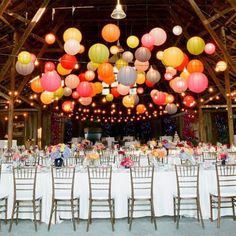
46	97
61	70
221	66
109	97
24	57
184	74
59	93
120	63
72	33
132	41
140	77
195	45
98	87
173	56
159	55
114	49
128	101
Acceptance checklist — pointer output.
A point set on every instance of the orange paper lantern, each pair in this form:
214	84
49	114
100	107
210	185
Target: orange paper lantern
110	33
195	66
36	86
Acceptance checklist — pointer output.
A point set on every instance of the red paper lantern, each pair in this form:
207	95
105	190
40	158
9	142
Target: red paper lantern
114	92
189	101
159	98
183	64
149	84
51	81
82	77
75	95
67	106
68	61
49	66
84	89
197	82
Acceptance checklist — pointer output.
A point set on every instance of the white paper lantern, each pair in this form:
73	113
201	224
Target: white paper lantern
127	75
24	69
177	30
72	46
67	91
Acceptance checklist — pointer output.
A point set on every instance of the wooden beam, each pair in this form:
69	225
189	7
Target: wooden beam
4	95
17	16
7	23
4	6
233	3
24	37
213	34
218	15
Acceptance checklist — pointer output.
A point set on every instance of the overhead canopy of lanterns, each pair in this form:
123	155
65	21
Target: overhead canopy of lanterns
131	70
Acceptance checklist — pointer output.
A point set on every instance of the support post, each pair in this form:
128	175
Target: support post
201	124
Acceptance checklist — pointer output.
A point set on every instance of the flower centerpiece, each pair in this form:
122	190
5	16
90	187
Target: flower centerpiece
144	148
127	162
92	157
152	144
186	154
99	147
223	156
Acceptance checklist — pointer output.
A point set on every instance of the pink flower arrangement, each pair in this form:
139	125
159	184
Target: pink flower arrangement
121	152
223	156
127	162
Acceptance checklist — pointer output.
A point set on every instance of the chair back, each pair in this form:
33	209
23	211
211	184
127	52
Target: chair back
173	151
99	181
187	178
142	181
107	158
24	180
136	159
226	179
72	161
63	181
209	156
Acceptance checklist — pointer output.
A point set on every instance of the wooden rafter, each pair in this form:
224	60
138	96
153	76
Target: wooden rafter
4	95
213	34
4	6
17	16
233	3
7	23
24	37
218	15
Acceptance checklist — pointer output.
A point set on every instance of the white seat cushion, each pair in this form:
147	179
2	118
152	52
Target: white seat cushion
186	195
224	193
27	197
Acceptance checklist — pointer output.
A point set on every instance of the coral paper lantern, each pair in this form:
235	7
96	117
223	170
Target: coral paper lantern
159	98
159	36
72	33
49	66
46	97
173	56
127	75
75	95
195	66
72	46
85	101
168	76
84	89
147	40
171	108
195	45
197	82
189	101
105	70
89	75
50	38
36	86
67	106
110	33
122	89
98	53
142	54
51	81
68	61
179	84
132	41
72	81
140	90
140	108
67	91
141	66
210	48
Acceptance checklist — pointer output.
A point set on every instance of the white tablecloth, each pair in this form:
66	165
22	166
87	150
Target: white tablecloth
164	187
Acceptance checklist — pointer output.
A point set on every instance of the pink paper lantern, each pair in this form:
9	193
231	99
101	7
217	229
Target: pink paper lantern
84	89
72	81
75	95
210	48
141	66
85	101
147	40
168	76
51	81
153	92
159	35
179	84
159	98
197	82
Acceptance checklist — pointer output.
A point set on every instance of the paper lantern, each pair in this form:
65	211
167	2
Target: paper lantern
98	53
132	41
179	84
169	98
195	66
67	106
36	86
141	66
85	101
147	40
189	101
127	75
84	89
153	75
140	108
159	98
59	93
140	90
128	101
159	55
61	70
142	54
197	82
51	81
72	33
94	93
105	70
33	57
46	97
171	108
75	95
122	89
210	48
115	92
109	97
50	38
68	61
183	64
72	46
98	87
110	33
82	77
184	74
168	76
49	66
24	69
173	56
114	49
140	77
136	99
24	57
120	63
109	80
171	70
89	75
153	92
221	66
177	30
149	84
159	36
82	49
127	56
67	91
72	81
92	66
195	45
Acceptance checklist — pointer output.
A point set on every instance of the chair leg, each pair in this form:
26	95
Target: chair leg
78	208
6	205
200	212
128	219
232	199
35	216
153	214
113	207
218	212
73	213
211	209
12	216
178	212
198	218
111	214
40	211
89	214
17	212
131	214
174	202
50	218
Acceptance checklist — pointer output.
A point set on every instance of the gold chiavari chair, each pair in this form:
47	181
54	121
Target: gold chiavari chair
3	200
136	159
187	178
225	195
141	198
71	161
100	192
209	156
25	194
107	159
63	197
